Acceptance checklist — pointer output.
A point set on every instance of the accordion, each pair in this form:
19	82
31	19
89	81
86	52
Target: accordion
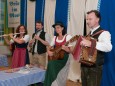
88	55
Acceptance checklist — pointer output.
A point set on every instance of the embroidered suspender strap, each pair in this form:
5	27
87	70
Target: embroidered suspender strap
98	32
93	43
88	34
92	48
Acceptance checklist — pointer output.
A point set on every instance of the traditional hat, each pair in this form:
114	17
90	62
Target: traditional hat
58	23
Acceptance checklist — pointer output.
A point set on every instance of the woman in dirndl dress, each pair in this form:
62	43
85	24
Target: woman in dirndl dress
20	55
53	75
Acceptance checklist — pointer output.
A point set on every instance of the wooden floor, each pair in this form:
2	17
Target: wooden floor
69	83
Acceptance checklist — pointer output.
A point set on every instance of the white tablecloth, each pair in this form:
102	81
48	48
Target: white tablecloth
22	78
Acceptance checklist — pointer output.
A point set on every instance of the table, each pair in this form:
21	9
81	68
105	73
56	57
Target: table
3	60
31	76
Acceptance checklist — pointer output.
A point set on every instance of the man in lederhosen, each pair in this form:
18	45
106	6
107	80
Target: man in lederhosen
91	75
40	40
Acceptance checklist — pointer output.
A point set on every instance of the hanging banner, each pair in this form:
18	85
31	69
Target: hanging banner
13	9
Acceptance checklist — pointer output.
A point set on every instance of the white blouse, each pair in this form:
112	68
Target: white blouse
68	37
26	38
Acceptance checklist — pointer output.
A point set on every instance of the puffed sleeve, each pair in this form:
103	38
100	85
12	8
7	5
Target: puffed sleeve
68	37
11	40
53	41
26	38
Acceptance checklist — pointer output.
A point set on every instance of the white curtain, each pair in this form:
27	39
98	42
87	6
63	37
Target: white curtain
91	5
30	17
49	16
76	17
75	26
